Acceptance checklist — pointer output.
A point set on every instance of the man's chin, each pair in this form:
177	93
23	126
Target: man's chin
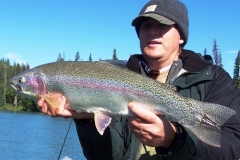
151	56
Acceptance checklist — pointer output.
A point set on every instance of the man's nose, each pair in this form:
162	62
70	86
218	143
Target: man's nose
153	31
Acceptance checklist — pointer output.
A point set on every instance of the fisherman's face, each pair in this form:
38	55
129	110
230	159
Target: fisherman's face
159	41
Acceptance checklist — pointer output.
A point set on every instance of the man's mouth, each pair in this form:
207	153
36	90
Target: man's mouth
154	42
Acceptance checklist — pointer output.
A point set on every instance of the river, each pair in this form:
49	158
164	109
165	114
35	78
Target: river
35	136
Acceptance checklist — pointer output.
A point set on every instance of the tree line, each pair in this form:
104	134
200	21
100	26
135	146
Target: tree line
217	60
61	57
8	96
236	77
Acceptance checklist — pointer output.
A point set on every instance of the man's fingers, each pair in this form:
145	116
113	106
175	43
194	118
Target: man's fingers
40	102
59	111
141	112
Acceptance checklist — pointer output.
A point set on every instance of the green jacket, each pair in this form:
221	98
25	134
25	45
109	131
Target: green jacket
202	81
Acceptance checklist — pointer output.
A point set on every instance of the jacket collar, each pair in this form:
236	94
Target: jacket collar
192	62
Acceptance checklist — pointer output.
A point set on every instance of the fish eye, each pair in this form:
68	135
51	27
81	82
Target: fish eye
21	80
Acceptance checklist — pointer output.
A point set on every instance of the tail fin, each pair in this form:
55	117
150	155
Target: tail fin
216	112
208	129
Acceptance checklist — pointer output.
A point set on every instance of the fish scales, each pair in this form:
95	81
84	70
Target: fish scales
136	82
105	89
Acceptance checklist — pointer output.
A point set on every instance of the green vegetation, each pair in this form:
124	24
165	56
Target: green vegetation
115	54
236	77
216	54
9	100
9	107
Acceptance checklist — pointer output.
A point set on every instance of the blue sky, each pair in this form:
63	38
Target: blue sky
35	32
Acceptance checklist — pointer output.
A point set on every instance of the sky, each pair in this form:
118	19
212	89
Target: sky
35	32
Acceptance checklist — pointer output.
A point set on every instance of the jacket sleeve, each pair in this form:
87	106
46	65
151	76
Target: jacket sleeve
222	90
182	148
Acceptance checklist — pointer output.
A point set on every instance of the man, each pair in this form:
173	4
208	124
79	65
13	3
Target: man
162	27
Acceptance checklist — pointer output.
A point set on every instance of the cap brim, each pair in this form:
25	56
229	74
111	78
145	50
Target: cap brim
157	17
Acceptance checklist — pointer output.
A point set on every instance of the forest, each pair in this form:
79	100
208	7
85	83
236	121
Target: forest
10	99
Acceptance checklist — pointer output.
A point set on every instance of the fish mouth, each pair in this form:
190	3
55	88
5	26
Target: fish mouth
16	87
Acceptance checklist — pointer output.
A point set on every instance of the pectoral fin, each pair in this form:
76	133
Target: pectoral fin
54	99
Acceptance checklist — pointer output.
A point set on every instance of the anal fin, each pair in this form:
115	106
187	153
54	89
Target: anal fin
102	121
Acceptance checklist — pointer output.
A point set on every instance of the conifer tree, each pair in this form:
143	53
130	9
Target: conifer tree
77	56
236	77
4	83
7	95
115	54
90	58
205	52
220	59
216	54
61	57
27	66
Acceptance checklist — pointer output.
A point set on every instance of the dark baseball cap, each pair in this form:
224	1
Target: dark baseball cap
149	13
168	12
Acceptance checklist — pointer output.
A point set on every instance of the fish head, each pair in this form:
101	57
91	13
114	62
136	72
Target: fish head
28	84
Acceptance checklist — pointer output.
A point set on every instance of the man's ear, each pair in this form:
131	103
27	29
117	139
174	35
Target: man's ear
181	41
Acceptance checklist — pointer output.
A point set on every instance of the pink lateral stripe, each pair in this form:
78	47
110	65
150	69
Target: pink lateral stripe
98	85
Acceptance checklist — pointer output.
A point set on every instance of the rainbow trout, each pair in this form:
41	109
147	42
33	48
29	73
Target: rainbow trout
105	89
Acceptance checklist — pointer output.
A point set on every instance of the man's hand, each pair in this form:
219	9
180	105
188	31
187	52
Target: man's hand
61	111
150	129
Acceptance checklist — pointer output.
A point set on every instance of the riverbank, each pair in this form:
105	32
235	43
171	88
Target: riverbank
9	107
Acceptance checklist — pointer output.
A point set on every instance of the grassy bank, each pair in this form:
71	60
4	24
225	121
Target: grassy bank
9	107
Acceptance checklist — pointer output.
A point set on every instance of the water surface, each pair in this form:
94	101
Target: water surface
35	136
